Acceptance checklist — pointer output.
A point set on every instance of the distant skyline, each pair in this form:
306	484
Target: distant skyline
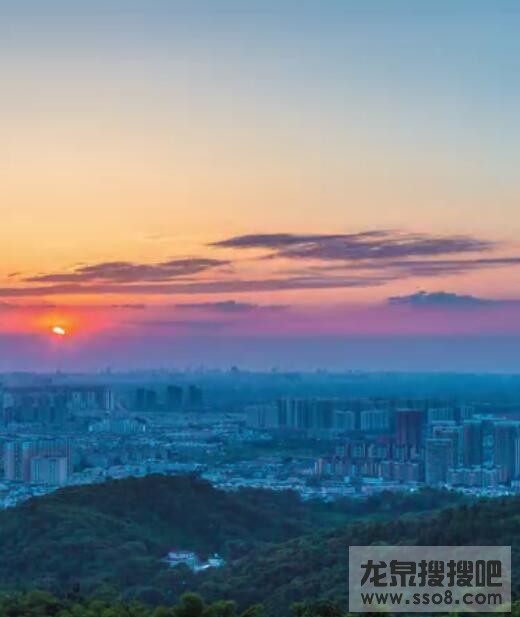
296	183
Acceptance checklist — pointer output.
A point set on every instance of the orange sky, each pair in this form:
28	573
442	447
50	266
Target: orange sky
143	134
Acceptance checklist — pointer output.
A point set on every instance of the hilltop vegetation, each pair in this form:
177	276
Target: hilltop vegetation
116	533
315	567
110	539
100	548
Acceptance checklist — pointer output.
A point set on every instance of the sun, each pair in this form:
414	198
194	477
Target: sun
59	331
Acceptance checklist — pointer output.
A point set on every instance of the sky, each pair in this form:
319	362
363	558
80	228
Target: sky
284	183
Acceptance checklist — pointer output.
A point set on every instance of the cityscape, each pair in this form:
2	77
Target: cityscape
60	430
259	308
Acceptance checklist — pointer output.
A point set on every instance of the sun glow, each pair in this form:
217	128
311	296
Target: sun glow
59	331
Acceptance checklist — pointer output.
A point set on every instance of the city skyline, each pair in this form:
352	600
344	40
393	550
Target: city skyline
292	185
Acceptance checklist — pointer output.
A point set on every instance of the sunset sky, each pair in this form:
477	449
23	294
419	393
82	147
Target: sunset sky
293	183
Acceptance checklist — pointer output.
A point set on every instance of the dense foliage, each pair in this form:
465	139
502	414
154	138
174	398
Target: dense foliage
110	539
44	604
116	534
315	567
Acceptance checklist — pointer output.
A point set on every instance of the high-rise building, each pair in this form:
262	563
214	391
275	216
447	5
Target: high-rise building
409	428
516	475
397	471
306	414
51	470
146	400
324	414
19	454
89	397
472	437
356	449
262	416
174	398
454	434
140	399
195	398
151	400
296	413
119	426
440	414
507	438
488	440
373	420
344	420
464	412
14	461
439	457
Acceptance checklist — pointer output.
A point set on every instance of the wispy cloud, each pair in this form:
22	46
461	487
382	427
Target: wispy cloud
443	299
195	287
440	267
387	253
230	306
317	261
128	272
18	306
130	306
368	245
38	306
182	324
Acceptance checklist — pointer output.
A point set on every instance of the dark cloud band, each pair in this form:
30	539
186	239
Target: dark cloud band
128	272
369	245
443	299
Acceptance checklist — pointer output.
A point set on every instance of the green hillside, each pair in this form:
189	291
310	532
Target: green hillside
110	538
315	567
117	533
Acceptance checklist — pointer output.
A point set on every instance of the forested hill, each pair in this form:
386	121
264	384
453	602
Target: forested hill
315	567
118	531
110	538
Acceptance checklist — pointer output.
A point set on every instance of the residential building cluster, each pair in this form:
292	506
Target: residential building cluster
437	446
38	461
56	434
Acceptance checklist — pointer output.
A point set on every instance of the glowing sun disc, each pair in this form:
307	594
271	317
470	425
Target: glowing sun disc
59	331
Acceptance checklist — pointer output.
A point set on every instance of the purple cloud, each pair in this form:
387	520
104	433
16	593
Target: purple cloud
369	245
410	267
438	267
197	287
182	324
128	272
322	261
130	306
444	299
230	306
16	306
